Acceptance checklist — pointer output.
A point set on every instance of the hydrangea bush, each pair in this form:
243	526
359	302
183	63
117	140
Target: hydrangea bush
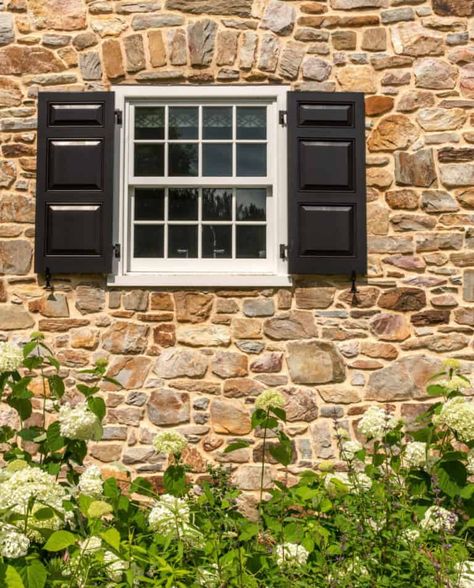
396	510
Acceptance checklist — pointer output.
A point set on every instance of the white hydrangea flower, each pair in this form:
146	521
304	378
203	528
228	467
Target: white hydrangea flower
114	566
169	515
27	483
439	519
454	384
169	442
349	449
465	574
78	422
376	422
209	577
90	481
458	414
270	399
11	357
355	482
90	545
415	455
410	535
470	462
289	554
13	544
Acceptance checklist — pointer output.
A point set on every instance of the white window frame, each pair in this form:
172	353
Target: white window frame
274	272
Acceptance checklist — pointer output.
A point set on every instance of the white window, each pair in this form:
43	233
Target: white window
202	187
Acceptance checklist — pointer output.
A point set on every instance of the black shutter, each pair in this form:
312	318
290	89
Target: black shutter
74	195
326	183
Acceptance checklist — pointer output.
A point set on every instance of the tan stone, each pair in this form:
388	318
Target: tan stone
18	60
364	298
310	298
440	119
402	199
415	40
379	178
176	363
315	362
167	407
226	47
376	105
15	257
125	337
393	132
112	58
374	39
134	52
246	328
359	78
84	338
379	350
415	169
230	417
236	7
10	92
89	298
297	324
229	364
193	307
156	48
208	336
13	317
60	15
177	47
390	327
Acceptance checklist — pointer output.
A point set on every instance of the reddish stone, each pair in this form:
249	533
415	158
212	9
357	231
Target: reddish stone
376	105
403	299
390	327
164	335
20	60
166	407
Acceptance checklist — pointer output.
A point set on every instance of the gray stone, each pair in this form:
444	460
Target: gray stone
357	4
7	34
438	201
177	47
201	39
315	362
269	51
90	66
279	17
227	7
316	69
15	257
321	433
440	119
397	15
167	407
136	300
296	324
457	174
13	317
156	21
89	298
228	364
301	404
176	363
247	50
291	59
130	6
468	285
134	52
434	74
250	346
259	307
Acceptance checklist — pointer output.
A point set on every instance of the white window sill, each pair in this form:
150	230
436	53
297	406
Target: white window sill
195	280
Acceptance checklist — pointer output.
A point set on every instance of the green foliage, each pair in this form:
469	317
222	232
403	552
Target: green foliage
360	523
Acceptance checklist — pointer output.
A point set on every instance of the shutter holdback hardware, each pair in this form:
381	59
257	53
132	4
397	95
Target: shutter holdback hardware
353	280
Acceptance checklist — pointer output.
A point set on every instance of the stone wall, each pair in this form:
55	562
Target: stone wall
196	360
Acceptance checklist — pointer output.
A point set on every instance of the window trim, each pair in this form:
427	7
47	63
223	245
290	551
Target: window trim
278	276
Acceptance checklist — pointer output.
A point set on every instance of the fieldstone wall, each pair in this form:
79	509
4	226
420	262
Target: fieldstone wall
195	360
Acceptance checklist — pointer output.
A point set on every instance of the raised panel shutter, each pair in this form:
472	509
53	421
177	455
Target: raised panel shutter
74	196
326	183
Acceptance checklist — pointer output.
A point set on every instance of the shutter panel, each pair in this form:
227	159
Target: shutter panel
326	183
74	195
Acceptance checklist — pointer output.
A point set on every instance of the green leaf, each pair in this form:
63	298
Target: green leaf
97	406
279	412
174	480
452	477
282	452
249	530
13	578
236	445
54	438
56	385
34	575
59	540
98	508
22	406
43	514
436	390
112	537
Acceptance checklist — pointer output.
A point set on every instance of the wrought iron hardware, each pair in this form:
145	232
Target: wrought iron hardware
283	251
117	250
118	116
282	117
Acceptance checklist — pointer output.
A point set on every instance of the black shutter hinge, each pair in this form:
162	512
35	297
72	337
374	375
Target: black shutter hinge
118	116
282	117
117	251
354	286
283	251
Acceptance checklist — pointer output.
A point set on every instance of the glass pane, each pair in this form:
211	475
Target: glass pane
217	159
150	123
251	159
217	122
216	204
148	241
182	241
149	159
251	122
183	159
251	241
183	122
149	204
216	241
251	204
183	204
